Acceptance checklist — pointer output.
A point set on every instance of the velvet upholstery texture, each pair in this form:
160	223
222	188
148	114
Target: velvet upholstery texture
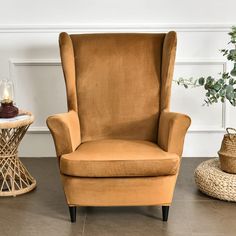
119	158
118	144
118	79
135	191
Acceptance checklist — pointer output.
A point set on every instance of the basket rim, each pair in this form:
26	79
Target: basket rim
225	154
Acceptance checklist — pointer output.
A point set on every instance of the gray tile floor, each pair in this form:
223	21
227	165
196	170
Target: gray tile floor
44	212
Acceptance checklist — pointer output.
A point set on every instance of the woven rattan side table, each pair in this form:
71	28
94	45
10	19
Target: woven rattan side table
14	177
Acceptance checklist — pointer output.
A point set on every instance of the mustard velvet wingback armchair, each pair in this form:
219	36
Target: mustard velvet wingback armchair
118	144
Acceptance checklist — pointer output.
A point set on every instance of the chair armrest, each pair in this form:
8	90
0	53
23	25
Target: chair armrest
65	129
172	130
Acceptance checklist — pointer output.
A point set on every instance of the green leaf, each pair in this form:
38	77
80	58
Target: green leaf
201	81
233	102
212	92
231	81
230	57
222	92
225	86
221	81
225	75
209	80
186	86
229	89
229	96
217	87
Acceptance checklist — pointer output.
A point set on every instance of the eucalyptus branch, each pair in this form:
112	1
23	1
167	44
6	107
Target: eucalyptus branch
221	89
231	54
187	83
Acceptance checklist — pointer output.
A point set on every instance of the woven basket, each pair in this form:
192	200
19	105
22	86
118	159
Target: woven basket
227	152
214	182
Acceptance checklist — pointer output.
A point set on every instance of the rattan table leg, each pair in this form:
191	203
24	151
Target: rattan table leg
14	177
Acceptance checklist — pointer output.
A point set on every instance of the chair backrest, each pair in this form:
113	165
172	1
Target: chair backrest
118	83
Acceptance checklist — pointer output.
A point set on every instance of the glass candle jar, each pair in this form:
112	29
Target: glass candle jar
7	109
6	91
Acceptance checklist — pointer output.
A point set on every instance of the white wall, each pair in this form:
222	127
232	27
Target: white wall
116	11
29	55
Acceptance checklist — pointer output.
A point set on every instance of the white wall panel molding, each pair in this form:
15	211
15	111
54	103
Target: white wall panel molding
34	62
88	28
13	63
39	130
201	61
225	110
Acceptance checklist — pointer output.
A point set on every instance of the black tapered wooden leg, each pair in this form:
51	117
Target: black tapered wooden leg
165	213
72	210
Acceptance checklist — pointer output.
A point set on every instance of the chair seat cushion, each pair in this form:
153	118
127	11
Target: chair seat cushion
119	158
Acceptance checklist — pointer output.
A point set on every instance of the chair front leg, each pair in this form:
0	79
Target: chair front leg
72	210
165	213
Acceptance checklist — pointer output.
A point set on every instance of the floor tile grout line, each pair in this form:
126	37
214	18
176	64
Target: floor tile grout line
85	217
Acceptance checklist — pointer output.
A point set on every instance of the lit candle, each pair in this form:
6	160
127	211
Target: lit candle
7	108
6	96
